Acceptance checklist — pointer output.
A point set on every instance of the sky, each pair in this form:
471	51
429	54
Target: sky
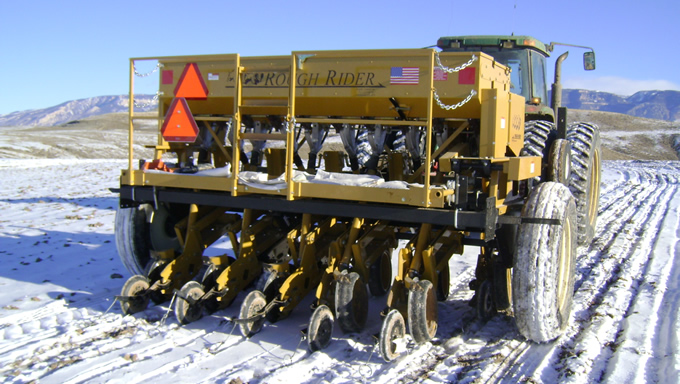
56	51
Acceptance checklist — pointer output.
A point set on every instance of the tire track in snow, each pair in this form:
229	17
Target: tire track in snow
513	352
530	361
591	350
144	353
86	337
649	339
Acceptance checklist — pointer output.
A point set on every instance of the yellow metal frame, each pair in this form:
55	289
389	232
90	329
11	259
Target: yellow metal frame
495	107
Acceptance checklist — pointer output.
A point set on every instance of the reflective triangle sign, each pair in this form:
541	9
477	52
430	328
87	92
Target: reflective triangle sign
191	84
179	125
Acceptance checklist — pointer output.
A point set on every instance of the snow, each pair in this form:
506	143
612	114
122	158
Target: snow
59	273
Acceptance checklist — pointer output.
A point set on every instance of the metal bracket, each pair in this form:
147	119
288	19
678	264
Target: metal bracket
561	123
188	299
302	58
491	219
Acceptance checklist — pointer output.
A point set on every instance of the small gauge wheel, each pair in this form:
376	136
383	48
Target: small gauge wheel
393	329
188	311
485	301
252	309
320	328
135	293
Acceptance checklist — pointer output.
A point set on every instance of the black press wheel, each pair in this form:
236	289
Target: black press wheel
502	286
162	229
380	274
351	302
422	311
443	284
209	281
153	272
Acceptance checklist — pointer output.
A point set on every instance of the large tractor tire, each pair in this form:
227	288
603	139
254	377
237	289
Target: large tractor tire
139	230
132	239
544	265
538	136
585	176
559	162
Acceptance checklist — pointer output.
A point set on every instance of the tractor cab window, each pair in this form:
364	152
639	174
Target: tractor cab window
538	84
515	76
518	61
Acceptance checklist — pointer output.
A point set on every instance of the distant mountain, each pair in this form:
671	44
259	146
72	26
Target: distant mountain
76	110
661	105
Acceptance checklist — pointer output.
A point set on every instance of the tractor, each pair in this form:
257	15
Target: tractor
411	156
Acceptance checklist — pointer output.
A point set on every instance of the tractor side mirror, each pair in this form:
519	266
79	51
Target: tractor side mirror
589	60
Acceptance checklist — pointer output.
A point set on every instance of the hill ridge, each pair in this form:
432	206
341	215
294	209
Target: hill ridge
661	105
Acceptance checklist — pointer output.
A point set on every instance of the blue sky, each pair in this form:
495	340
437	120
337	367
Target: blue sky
55	51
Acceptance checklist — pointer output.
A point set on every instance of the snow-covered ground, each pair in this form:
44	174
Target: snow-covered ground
59	272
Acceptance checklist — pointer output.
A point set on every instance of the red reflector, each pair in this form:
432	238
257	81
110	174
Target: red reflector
179	125
191	84
167	76
467	76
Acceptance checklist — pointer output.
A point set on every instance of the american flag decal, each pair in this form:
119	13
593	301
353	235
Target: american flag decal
404	75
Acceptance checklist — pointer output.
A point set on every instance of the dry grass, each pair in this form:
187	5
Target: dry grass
623	138
627	137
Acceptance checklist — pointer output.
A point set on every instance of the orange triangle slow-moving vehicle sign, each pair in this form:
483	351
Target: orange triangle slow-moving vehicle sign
191	84
179	125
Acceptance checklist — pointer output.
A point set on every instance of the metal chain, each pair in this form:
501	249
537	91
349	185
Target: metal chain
456	69
454	106
158	66
111	306
365	364
167	313
291	125
290	357
153	101
212	350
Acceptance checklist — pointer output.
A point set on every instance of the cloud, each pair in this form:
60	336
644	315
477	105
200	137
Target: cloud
619	85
